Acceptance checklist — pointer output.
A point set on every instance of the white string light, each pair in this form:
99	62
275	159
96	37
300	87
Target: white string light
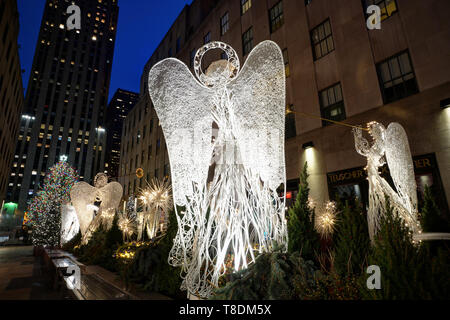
226	178
389	146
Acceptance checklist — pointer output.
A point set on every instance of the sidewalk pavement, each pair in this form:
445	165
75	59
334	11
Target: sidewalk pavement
23	276
115	280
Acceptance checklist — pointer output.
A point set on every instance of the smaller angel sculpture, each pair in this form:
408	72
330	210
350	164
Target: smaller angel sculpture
96	204
389	146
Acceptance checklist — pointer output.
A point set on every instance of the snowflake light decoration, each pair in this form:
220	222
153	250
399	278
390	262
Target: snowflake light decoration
325	219
157	202
127	225
389	146
225	139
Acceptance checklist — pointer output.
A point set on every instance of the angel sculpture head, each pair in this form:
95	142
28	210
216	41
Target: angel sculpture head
389	146
225	138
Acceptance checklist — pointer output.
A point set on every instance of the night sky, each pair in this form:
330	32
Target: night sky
142	25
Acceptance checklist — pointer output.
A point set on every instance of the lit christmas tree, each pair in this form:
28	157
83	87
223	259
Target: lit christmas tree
44	210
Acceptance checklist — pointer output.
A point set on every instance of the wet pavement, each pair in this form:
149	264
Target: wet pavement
24	276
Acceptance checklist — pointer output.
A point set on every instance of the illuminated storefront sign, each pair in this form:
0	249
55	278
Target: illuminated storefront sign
353	182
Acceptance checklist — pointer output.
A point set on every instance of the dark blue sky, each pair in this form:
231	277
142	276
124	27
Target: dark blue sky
142	25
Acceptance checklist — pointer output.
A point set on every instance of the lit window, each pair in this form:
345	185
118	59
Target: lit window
387	7
245	5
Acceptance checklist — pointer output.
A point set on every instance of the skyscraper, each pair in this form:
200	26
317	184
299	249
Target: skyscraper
11	91
66	95
119	106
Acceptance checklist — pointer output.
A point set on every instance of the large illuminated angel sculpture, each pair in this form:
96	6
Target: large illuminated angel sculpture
225	138
96	204
389	146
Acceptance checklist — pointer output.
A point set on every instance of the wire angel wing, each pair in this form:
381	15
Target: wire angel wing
81	195
399	160
183	107
111	195
258	93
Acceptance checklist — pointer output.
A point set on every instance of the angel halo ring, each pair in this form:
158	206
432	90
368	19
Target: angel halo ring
220	72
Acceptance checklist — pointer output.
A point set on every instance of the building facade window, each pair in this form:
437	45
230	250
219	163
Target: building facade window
158	146
207	38
387	7
322	40
247	41
245	5
166	170
397	78
178	46
224	24
290	128
332	104
276	16
192	56
287	71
